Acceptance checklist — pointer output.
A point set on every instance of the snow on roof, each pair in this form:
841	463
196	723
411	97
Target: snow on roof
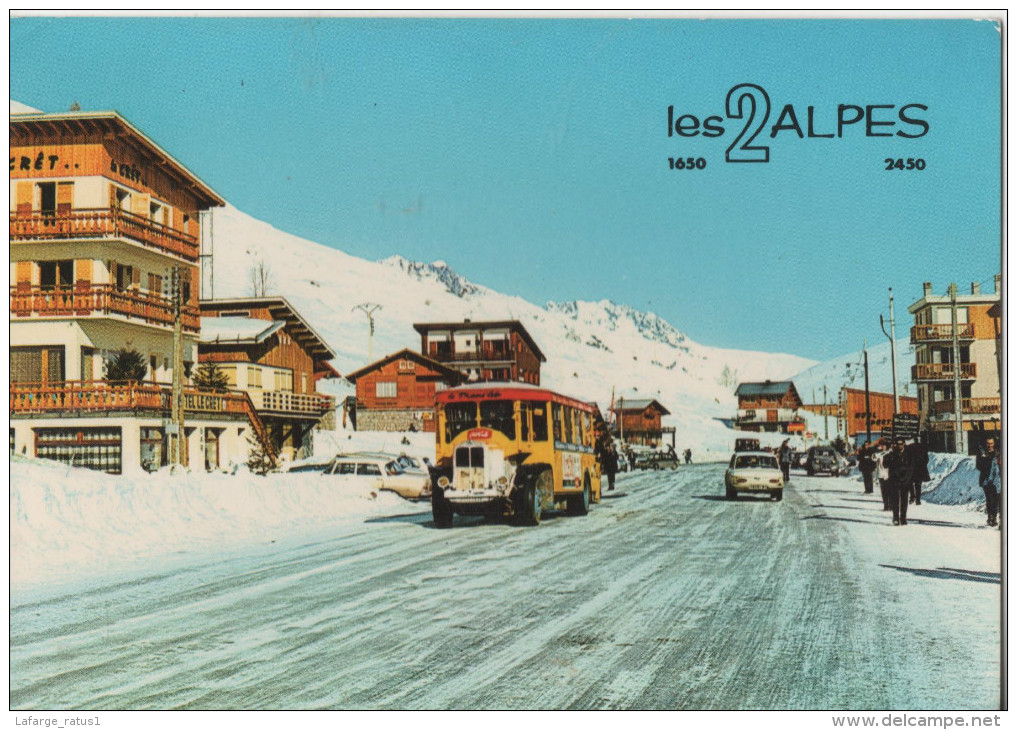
767	388
18	108
638	404
238	329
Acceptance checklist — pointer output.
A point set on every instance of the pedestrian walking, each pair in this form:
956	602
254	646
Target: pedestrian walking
898	467
688	456
609	463
918	453
883	474
784	458
866	465
987	463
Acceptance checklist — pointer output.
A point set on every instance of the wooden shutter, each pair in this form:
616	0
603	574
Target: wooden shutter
83	271
65	197
23	198
140	204
135	277
23	274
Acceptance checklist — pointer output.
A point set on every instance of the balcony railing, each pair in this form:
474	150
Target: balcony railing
939	332
101	396
102	223
762	415
291	404
979	406
98	299
942	371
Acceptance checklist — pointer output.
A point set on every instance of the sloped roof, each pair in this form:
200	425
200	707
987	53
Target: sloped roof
280	309
768	387
26	126
408	354
624	405
237	330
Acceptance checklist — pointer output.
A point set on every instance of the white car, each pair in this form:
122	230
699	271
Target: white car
381	472
754	471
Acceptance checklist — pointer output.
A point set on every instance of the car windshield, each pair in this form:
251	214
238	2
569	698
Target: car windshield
755	462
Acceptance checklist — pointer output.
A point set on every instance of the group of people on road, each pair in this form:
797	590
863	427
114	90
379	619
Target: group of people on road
901	468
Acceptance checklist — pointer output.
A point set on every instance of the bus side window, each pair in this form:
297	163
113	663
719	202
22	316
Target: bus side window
587	430
524	420
569	431
539	421
556	420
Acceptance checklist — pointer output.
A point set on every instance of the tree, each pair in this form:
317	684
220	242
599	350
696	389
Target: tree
728	377
126	365
258	460
210	377
260	278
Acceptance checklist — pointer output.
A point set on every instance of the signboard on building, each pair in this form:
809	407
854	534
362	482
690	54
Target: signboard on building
905	426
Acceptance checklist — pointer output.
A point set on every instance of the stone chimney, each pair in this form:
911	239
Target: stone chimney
995	283
926	288
976	288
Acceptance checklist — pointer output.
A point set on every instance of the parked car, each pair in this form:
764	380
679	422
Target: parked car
754	472
409	464
822	460
306	466
657	460
382	472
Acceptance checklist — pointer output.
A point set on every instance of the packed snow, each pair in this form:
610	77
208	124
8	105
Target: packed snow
66	521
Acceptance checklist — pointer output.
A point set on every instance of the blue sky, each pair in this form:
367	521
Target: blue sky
532	155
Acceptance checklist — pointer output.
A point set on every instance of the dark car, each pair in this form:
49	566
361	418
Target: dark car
746	444
657	460
822	460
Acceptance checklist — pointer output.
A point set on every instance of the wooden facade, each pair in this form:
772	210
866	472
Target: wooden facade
638	421
402	380
483	351
769	407
881	409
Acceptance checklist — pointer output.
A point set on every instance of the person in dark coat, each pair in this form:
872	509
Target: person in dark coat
898	467
609	464
988	481
688	456
918	452
784	458
866	465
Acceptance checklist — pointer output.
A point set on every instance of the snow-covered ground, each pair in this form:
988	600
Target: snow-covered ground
67	522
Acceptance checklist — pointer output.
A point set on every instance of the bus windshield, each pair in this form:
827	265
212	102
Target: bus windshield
498	416
459	417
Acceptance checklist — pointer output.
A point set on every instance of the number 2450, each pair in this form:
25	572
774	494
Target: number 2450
911	163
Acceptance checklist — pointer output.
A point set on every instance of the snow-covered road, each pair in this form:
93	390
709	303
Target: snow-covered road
665	597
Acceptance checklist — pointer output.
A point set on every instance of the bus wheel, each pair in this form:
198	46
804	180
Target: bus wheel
441	509
579	504
531	505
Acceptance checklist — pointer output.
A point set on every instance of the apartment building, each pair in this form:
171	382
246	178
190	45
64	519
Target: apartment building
956	339
104	233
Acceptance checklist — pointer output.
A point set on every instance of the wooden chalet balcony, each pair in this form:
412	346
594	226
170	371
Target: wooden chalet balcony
91	223
98	396
942	371
98	299
940	332
284	403
977	406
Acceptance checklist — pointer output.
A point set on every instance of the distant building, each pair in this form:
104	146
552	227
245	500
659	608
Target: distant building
102	221
977	371
881	408
638	421
483	351
397	392
769	407
268	351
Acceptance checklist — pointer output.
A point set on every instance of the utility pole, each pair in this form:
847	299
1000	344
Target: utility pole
826	417
959	446
369	309
868	411
177	454
893	353
621	419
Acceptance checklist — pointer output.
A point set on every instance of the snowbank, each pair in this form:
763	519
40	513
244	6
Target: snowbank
954	481
64	520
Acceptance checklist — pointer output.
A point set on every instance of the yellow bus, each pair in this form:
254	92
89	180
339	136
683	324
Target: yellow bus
508	449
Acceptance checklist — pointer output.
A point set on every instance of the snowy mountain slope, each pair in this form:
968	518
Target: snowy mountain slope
592	348
849	371
18	108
